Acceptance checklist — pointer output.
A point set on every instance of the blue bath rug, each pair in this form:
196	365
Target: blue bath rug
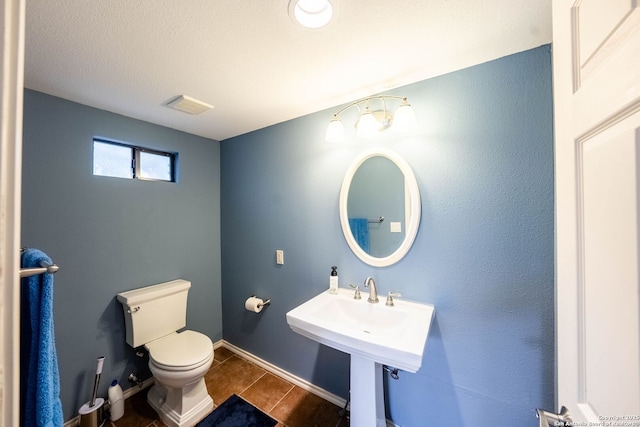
235	412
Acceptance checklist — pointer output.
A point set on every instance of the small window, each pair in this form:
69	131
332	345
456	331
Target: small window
127	161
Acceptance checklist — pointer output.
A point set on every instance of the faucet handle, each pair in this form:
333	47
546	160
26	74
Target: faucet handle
356	294
389	302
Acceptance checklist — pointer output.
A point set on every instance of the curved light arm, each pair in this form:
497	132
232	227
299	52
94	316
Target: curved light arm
380	97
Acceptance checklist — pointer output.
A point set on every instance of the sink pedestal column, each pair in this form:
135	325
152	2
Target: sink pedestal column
367	394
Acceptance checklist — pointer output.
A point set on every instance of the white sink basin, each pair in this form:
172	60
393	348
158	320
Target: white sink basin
374	335
393	336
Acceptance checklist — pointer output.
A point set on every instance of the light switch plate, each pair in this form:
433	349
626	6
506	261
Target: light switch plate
396	227
279	257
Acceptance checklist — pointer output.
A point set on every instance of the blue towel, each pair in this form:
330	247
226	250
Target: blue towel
360	230
39	377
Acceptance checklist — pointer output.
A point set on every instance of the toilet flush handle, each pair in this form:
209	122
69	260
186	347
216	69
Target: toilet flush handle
133	309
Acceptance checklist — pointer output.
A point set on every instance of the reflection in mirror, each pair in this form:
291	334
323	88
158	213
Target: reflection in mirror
380	207
376	206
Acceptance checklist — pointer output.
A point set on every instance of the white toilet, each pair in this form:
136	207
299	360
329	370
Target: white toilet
178	361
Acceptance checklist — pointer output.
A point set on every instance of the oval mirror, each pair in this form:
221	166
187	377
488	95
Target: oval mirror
380	207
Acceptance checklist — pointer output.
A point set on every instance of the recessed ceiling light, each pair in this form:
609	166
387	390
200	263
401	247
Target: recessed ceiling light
312	13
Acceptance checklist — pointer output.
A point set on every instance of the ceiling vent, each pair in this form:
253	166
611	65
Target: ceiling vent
188	105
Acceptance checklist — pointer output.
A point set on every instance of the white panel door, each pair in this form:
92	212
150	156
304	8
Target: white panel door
11	92
596	61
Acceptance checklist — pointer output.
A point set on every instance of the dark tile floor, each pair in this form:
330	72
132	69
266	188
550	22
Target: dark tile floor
229	374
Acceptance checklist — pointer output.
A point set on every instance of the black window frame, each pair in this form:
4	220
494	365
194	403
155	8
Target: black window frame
135	159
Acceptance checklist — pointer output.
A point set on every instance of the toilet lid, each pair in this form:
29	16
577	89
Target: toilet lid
180	350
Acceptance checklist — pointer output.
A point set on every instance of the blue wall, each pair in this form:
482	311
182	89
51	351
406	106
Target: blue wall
484	253
110	235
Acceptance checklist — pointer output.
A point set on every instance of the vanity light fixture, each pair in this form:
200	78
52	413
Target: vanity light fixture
370	121
312	13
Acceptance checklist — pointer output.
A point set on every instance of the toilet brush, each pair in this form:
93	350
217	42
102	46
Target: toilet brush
91	413
96	381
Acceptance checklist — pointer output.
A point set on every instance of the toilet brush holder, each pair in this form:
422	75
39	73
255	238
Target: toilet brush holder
92	416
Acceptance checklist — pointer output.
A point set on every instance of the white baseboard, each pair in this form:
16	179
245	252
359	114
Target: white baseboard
303	384
73	422
134	390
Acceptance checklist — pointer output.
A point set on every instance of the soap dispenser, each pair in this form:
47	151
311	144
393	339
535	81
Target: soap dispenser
333	280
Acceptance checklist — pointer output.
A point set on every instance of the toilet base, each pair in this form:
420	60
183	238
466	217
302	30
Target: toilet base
181	407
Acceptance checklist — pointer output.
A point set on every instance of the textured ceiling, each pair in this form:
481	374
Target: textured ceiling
251	62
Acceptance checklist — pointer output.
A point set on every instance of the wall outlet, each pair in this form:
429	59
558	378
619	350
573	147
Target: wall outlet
396	227
279	257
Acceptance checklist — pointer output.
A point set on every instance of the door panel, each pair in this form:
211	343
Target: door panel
598	27
609	286
606	82
596	46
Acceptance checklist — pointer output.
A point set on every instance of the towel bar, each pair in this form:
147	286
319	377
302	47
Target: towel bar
45	268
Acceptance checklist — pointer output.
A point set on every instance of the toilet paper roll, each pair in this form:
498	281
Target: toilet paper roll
254	304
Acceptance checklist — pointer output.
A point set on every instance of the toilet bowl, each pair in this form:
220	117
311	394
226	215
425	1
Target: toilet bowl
177	360
178	363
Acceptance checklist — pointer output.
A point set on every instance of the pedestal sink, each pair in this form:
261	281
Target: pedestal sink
373	334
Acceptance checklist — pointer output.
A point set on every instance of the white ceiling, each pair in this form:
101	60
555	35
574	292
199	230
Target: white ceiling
249	60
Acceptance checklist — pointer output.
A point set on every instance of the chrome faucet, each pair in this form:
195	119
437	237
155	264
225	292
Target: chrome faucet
373	293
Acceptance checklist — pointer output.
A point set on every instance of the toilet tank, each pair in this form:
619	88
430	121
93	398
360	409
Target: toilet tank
154	311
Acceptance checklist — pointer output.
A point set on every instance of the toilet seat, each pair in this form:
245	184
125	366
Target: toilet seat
180	351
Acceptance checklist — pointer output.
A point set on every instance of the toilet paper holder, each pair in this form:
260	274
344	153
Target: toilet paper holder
264	302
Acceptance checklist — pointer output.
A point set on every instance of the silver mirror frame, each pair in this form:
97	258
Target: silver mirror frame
414	209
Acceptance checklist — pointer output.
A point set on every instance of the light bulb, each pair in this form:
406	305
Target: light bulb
367	125
311	13
335	131
405	118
